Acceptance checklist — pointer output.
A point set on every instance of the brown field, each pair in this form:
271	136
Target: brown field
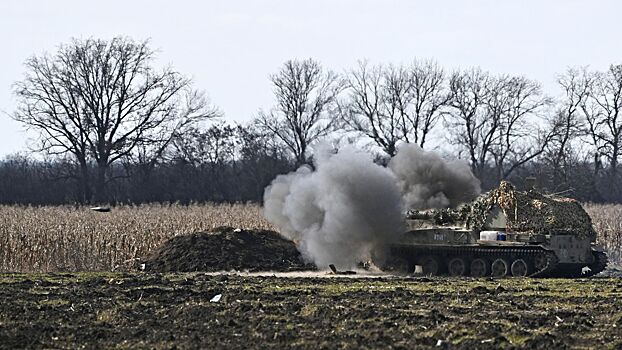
46	239
49	239
167	310
104	310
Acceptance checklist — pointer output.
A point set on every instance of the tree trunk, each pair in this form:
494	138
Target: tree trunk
100	182
301	158
614	160
391	149
85	183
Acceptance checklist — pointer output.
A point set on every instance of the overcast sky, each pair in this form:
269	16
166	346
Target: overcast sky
230	47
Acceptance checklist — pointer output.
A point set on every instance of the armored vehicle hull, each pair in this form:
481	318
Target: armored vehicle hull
458	252
503	233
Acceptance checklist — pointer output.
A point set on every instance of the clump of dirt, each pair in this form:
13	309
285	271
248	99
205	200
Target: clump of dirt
226	249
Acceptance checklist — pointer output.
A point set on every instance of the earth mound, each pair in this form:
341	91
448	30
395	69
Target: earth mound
226	249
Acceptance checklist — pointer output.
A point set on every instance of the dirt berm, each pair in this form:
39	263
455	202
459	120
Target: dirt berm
226	249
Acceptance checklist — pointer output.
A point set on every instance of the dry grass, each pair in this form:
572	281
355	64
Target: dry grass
607	220
43	239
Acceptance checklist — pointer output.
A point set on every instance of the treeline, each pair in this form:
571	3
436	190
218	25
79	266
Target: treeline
114	129
220	164
234	164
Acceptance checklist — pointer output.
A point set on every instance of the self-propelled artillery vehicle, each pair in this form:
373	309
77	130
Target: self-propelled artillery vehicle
504	232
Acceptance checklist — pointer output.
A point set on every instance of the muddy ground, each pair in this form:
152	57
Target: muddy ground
148	310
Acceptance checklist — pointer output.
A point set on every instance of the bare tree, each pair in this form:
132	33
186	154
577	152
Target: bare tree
261	159
493	120
568	121
215	145
213	152
101	101
520	139
369	110
391	104
305	94
603	112
429	96
469	125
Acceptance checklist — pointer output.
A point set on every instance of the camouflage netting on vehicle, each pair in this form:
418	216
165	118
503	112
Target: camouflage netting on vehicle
530	211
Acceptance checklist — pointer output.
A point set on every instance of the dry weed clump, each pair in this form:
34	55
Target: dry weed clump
44	239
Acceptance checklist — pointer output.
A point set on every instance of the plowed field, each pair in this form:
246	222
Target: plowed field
150	310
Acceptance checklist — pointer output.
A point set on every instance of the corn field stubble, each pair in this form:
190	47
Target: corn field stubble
67	238
607	221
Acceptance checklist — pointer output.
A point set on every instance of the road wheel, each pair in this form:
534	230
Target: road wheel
430	266
457	267
540	262
519	268
500	268
479	268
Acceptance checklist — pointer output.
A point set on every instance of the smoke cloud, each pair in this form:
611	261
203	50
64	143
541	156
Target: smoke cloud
348	206
428	181
339	212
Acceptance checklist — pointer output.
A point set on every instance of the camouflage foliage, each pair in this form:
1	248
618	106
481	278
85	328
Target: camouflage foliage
530	211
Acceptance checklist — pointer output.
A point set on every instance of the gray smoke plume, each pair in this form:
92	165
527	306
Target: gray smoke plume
339	212
349	206
428	181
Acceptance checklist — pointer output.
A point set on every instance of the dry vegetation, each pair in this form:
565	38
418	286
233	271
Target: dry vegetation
44	239
607	220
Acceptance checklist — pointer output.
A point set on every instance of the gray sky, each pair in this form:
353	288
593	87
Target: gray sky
230	47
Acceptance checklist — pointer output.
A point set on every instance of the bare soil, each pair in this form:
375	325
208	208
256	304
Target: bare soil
227	249
164	307
163	311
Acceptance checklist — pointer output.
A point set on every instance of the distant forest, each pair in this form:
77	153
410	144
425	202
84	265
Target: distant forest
112	128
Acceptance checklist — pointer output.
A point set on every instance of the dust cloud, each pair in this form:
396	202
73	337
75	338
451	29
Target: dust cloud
428	181
348	206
